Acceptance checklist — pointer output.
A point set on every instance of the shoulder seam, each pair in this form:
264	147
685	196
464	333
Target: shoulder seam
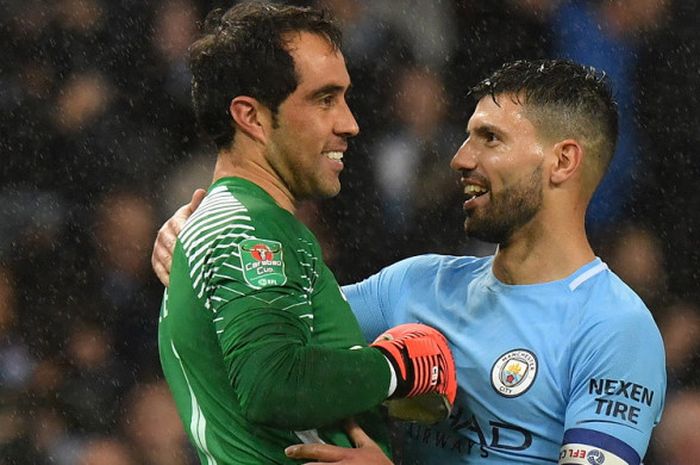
587	275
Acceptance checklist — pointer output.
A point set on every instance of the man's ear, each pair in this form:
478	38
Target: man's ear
568	161
249	115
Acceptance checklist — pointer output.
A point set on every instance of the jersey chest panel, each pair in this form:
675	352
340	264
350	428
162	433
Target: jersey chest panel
513	369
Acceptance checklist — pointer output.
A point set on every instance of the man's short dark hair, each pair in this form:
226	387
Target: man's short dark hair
562	99
243	51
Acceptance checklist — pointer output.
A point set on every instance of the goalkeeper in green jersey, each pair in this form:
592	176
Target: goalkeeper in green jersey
258	344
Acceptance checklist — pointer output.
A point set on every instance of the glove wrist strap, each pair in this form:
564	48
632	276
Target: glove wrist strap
393	381
398	387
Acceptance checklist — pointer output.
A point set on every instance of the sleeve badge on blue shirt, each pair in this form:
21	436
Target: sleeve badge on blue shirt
514	372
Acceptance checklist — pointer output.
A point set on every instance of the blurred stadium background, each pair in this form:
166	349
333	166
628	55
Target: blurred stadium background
98	146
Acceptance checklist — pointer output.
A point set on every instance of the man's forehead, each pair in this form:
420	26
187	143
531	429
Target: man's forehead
498	110
499	104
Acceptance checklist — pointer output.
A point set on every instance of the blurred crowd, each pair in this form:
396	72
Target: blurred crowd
98	146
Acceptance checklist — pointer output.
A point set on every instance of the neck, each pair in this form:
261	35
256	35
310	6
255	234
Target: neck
252	166
547	249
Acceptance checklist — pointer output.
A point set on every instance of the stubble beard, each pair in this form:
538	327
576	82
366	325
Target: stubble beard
508	211
302	177
314	184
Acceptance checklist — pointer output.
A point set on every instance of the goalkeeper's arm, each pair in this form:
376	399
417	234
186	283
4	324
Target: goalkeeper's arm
282	380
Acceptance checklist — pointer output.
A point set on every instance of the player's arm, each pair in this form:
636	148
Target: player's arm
618	387
283	380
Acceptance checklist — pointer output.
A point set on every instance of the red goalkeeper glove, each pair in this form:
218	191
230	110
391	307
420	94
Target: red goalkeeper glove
421	359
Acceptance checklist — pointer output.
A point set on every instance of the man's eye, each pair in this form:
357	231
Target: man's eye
327	100
491	137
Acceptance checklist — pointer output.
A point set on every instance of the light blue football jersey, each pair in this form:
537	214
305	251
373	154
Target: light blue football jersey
577	362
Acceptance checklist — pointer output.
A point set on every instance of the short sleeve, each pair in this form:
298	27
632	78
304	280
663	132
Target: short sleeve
618	384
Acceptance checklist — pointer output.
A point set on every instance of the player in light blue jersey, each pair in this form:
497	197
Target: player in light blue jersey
558	361
576	361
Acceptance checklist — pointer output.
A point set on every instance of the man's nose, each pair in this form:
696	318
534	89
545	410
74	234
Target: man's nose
464	158
347	125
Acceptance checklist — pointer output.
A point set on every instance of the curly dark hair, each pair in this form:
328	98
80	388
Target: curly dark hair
563	99
242	51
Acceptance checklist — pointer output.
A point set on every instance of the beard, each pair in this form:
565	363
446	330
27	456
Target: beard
507	211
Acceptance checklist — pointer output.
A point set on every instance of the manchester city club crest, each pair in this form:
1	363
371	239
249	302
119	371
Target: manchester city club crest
514	372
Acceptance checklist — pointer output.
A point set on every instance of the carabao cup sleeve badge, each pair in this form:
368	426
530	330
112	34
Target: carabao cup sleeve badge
262	263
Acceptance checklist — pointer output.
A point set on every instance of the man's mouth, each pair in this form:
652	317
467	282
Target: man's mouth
334	155
473	191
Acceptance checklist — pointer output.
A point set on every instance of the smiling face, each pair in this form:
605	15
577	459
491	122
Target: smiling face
501	163
309	136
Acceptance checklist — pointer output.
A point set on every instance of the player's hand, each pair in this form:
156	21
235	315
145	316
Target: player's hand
366	451
423	364
162	256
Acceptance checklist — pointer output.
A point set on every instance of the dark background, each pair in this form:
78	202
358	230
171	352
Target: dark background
98	147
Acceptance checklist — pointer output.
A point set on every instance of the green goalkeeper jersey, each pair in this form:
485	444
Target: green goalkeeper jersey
257	342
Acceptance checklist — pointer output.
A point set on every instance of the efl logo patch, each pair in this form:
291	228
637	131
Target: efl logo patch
262	263
514	372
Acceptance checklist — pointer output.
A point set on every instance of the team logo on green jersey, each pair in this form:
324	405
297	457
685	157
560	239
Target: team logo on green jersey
262	263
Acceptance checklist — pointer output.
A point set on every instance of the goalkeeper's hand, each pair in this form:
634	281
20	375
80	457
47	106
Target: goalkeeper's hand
422	363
